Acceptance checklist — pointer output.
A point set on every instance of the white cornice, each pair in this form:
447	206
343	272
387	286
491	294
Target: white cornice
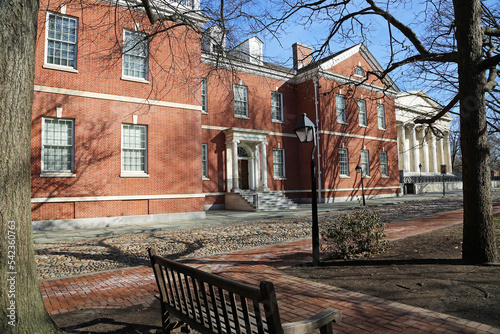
350	135
120	98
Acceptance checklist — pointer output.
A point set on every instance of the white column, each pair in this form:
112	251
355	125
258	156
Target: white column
447	152
414	149
251	166
263	165
258	182
433	153
400	142
236	186
425	152
441	154
229	166
406	150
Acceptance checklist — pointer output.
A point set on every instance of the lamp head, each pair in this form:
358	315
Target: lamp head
305	129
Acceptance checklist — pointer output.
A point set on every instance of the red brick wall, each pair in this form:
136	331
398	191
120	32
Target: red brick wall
174	153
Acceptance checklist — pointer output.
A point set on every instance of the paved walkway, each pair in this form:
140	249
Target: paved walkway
298	298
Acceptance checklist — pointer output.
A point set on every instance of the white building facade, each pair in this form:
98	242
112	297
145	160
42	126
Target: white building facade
422	150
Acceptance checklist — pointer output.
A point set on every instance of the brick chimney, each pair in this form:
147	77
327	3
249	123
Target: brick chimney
301	55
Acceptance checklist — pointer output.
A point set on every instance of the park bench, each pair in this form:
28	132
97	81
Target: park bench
209	303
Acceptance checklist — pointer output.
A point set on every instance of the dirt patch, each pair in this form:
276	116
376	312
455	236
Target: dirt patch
424	271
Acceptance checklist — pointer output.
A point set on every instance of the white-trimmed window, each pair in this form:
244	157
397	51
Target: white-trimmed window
279	163
276	106
135	55
204	161
358	71
343	162
240	101
381	116
363	121
204	95
340	107
58	148
384	170
134	148
365	162
62	37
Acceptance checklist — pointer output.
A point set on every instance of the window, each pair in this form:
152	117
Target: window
62	33
384	171
343	162
276	106
58	145
134	148
204	161
340	105
279	163
359	71
381	116
240	101
135	55
204	95
363	121
365	163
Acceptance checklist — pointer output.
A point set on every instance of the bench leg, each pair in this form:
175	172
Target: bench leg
326	329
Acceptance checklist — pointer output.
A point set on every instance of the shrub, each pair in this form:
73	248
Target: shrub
357	233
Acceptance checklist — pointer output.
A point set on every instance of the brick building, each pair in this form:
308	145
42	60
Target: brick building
126	126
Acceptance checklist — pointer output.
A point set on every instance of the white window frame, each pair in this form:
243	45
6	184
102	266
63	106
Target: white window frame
145	149
363	117
384	166
48	64
341	113
277	110
145	57
365	162
204	161
278	164
44	137
359	72
204	95
381	116
344	152
244	101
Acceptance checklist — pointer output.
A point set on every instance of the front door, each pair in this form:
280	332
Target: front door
243	174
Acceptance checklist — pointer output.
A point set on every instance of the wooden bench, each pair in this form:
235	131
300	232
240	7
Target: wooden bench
212	304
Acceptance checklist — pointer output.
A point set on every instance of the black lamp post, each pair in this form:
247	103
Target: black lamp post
360	171
306	132
420	167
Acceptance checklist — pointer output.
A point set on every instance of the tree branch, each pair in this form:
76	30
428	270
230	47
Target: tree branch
441	113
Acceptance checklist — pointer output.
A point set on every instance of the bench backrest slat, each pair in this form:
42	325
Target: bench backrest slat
246	315
234	310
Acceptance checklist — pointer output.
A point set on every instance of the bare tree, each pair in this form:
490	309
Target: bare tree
459	37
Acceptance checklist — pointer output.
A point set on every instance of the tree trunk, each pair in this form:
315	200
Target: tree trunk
21	304
478	235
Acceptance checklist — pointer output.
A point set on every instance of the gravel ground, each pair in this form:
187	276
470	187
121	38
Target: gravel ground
70	258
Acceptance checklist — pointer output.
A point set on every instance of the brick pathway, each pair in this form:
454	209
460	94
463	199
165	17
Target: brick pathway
298	298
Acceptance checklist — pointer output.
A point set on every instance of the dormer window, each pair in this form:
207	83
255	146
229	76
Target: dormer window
358	71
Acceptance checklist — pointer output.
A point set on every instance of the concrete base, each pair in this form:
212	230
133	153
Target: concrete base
75	224
215	207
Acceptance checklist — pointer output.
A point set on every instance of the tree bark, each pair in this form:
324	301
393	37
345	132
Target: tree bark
478	234
21	304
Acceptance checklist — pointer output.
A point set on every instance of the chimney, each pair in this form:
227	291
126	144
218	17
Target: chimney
301	55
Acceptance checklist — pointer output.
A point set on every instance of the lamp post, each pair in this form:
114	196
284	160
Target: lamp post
420	167
360	171
306	132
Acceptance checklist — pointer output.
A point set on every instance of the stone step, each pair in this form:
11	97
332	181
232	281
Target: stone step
268	201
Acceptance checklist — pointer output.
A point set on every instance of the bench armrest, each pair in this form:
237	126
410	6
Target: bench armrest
319	320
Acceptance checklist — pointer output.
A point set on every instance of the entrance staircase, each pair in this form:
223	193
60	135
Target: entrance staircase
267	200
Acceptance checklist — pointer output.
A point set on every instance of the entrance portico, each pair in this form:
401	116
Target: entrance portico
246	152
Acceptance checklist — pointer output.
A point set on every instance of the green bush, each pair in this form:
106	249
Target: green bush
353	234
